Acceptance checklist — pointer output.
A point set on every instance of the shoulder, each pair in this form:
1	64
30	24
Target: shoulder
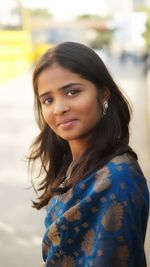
125	166
127	183
123	172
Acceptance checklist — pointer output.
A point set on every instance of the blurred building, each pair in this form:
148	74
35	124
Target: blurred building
140	2
130	25
10	15
119	8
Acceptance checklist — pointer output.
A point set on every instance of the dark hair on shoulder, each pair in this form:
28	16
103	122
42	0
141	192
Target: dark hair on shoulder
111	136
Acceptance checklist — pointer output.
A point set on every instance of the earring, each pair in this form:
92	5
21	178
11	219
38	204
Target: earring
105	107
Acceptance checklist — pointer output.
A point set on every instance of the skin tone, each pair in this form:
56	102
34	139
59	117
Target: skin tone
70	106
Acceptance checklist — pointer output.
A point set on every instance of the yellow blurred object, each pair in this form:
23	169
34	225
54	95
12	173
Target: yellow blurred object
16	54
40	49
15	37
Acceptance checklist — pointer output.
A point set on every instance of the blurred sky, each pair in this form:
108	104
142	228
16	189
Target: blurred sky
67	9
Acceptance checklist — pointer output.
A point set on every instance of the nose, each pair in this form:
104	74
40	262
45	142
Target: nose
60	108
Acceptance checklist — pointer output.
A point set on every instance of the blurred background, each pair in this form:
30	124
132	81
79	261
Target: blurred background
119	31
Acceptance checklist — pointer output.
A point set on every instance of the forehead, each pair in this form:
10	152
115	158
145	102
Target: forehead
56	77
54	71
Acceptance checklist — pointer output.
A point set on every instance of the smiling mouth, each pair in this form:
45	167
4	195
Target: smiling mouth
66	124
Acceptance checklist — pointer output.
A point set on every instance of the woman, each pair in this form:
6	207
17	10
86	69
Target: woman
92	186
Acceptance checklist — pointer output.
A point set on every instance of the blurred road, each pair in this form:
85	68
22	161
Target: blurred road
21	227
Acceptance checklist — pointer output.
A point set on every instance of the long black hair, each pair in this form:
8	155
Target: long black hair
111	135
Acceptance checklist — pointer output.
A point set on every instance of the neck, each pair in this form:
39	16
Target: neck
78	148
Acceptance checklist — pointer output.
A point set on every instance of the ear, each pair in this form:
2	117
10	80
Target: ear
106	95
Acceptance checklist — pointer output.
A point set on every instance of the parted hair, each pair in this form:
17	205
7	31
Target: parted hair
110	137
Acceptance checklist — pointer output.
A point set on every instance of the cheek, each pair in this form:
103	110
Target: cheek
47	116
94	115
92	109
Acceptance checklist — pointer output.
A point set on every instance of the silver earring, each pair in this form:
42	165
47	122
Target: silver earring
105	107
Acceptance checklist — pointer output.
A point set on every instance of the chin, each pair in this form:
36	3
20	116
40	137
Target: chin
69	138
74	137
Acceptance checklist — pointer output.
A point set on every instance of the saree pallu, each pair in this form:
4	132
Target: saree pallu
102	221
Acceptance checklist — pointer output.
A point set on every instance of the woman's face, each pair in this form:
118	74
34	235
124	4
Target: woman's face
69	103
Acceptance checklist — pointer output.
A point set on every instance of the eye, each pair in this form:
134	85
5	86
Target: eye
47	101
72	92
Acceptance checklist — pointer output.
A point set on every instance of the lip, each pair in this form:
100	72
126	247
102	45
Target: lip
66	123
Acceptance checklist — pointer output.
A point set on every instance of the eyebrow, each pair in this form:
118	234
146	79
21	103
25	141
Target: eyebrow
60	89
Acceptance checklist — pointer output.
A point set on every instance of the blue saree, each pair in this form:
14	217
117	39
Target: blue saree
102	221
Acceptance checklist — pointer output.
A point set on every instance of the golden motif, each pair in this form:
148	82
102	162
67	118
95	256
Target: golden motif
88	243
77	229
68	261
112	196
100	253
123	185
73	214
88	199
94	209
102	184
103	199
85	225
123	252
121	257
66	196
53	235
121	159
45	247
112	220
102	173
83	186
64	227
70	241
119	168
